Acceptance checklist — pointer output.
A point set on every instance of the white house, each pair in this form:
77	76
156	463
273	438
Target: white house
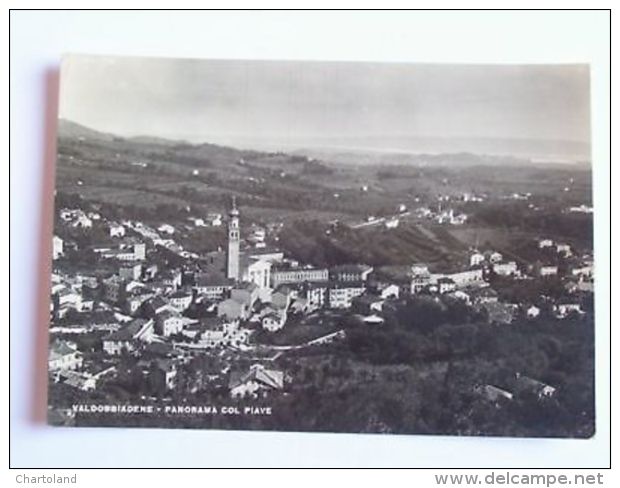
586	271
387	290
64	356
476	259
68	297
57	247
508	268
563	249
420	278
341	294
548	270
543	243
198	222
495	257
446	285
214	219
116	230
562	310
315	295
168	323
83	221
166	229
532	311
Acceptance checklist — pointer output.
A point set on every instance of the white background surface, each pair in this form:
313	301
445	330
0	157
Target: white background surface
38	39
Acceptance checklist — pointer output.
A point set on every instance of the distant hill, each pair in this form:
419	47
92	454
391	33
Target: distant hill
538	150
362	151
156	140
73	130
183	150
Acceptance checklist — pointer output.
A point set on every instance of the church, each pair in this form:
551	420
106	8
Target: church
246	267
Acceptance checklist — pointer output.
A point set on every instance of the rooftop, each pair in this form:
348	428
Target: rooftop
351	268
213	279
128	332
266	377
59	349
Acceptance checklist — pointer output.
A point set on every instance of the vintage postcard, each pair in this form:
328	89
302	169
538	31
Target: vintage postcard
323	247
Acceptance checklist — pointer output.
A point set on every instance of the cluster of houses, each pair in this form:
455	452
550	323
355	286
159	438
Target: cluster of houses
133	303
472	284
442	216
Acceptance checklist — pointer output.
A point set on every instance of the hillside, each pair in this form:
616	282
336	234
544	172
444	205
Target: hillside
72	130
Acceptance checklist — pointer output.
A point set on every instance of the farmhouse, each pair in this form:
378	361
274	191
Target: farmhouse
257	381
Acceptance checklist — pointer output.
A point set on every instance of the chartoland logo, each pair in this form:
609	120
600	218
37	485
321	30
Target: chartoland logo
45	479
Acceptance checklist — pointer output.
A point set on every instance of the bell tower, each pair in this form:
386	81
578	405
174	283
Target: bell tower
232	261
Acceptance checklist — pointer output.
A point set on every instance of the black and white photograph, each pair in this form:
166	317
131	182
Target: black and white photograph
321	246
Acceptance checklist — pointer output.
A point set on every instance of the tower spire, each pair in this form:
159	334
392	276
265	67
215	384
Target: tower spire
234	211
232	270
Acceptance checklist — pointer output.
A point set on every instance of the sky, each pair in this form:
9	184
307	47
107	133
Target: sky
301	102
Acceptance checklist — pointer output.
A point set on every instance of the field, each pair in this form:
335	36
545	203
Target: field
316	200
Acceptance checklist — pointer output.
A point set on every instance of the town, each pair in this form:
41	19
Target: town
140	313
